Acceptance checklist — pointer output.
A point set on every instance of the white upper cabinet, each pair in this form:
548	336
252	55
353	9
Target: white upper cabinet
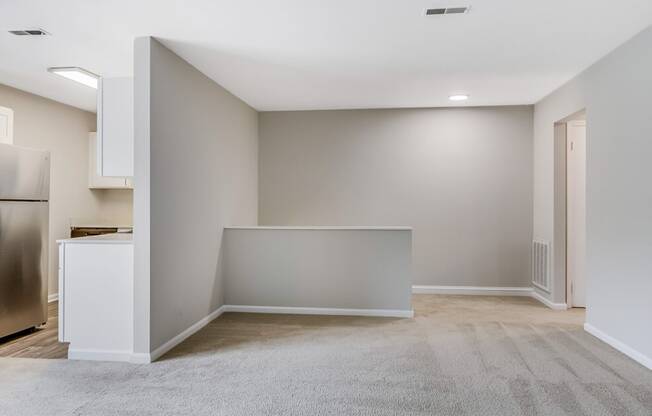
6	125
115	127
95	181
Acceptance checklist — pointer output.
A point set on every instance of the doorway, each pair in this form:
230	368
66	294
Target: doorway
570	281
576	212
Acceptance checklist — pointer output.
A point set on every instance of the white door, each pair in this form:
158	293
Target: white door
6	125
576	213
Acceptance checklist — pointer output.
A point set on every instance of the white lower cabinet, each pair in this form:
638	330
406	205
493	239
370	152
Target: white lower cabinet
96	299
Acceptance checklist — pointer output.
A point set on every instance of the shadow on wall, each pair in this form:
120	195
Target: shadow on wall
217	291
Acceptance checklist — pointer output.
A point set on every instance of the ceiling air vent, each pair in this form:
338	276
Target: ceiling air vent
447	10
29	32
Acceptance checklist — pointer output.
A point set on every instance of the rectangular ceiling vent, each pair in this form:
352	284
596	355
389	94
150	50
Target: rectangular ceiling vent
447	10
29	32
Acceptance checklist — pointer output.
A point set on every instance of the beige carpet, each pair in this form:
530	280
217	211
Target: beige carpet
459	356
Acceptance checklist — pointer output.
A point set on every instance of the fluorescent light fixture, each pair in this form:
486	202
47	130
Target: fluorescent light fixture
459	97
77	74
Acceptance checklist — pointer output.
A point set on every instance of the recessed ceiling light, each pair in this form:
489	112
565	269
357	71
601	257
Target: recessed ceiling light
77	74
459	97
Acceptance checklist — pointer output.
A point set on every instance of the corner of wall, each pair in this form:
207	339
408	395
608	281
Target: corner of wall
141	215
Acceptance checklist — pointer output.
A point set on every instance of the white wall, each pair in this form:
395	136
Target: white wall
142	182
63	130
556	107
462	178
202	176
616	94
351	269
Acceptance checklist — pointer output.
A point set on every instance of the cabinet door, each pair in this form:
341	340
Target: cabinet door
96	181
98	309
115	127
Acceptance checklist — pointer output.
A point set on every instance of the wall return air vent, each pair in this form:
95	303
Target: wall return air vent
447	10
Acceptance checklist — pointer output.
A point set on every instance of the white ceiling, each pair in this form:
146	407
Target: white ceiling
309	54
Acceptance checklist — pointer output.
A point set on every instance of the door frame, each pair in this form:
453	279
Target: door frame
569	282
560	204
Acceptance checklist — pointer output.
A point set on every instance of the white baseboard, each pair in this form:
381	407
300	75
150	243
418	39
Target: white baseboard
472	290
620	346
140	358
154	355
53	297
390	313
548	303
145	358
487	291
98	355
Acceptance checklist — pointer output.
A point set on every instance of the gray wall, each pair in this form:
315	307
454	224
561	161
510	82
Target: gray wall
202	176
616	93
41	123
322	268
462	178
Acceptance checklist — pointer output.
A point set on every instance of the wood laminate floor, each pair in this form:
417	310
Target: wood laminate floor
36	343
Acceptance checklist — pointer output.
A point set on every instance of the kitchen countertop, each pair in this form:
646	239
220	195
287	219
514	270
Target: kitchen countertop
325	227
98	225
115	238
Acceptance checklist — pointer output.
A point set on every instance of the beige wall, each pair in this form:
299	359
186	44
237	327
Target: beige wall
202	146
63	130
462	178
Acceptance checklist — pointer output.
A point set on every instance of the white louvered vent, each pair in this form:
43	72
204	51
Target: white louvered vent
541	264
29	32
447	10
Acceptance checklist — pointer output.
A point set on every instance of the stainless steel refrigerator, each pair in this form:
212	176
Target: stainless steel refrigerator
24	194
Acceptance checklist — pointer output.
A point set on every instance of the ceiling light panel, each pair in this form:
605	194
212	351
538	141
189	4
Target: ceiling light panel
76	74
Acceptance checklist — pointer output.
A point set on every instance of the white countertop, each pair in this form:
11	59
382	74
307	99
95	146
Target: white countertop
325	227
116	238
92	224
